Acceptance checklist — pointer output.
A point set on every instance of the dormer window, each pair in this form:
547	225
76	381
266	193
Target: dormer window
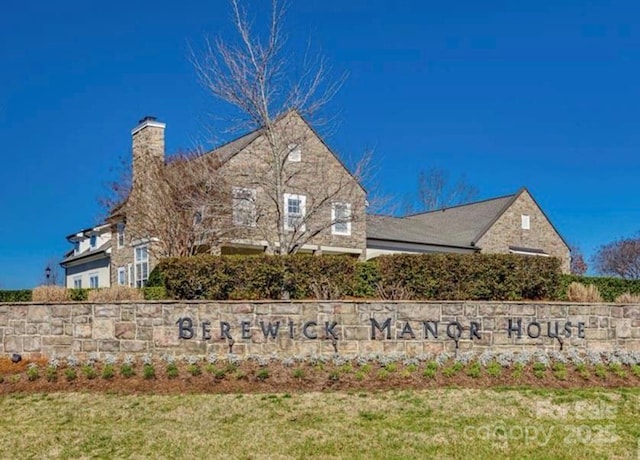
93	240
295	153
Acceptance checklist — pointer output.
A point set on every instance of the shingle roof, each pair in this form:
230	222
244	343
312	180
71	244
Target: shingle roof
460	226
228	150
87	253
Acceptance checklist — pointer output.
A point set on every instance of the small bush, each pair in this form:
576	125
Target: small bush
194	370
518	371
298	373
578	292
148	372
262	374
108	372
70	374
172	371
494	369
474	370
89	372
126	370
600	371
635	369
154	293
22	295
33	373
50	294
560	371
618	370
627	297
78	295
539	369
114	294
51	373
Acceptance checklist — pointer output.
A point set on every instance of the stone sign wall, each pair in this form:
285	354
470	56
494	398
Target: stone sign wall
307	327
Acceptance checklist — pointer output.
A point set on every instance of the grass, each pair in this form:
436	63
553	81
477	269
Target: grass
391	424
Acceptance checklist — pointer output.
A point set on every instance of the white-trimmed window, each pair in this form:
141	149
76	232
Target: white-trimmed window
141	265
120	229
341	218
526	222
131	274
244	207
76	247
77	283
294	212
122	276
93	281
295	153
93	241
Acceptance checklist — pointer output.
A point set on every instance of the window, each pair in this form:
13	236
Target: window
122	276
341	218
526	224
141	265
244	207
93	281
77	283
76	247
120	228
294	212
93	240
295	153
131	277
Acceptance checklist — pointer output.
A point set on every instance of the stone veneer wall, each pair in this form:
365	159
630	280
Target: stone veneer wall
34	329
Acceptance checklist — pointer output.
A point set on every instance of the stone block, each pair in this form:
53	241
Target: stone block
125	330
38	314
144	333
32	343
452	309
103	328
134	346
106	311
623	328
108	346
285	309
13	344
82	331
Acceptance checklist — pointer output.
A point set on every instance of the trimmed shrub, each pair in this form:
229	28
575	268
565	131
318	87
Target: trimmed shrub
578	292
428	276
610	288
50	294
79	295
115	294
22	295
154	293
470	276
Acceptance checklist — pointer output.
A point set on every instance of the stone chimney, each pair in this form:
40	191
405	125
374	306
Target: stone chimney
148	154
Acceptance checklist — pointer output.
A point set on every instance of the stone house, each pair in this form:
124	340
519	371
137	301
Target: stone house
320	204
318	208
509	224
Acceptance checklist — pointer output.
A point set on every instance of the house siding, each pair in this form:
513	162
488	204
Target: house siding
507	231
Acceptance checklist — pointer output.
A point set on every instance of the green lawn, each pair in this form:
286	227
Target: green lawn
445	423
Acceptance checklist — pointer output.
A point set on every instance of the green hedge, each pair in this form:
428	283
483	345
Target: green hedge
609	288
428	276
257	277
22	295
470	276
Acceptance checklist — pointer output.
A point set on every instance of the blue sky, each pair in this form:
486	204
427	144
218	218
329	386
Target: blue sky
542	94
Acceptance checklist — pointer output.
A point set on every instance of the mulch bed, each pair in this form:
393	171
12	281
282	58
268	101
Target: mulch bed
281	379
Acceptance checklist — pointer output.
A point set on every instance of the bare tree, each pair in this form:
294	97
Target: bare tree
619	258
184	210
436	191
578	264
276	94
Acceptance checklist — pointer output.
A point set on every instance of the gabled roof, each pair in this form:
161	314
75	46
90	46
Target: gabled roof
464	224
457	226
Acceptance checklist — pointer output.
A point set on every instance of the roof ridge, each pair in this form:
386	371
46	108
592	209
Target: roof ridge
510	195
